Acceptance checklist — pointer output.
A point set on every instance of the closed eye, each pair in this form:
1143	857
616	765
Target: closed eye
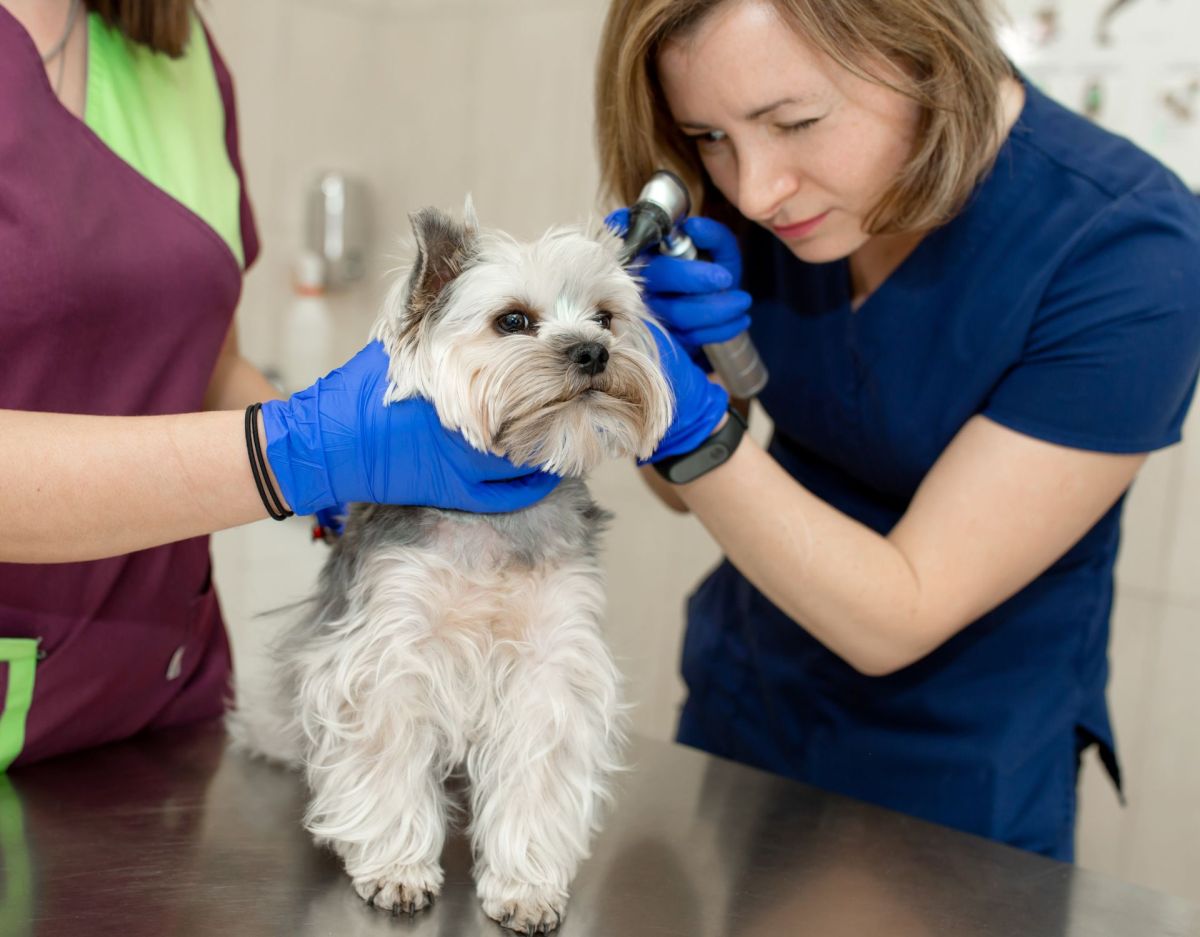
708	138
714	138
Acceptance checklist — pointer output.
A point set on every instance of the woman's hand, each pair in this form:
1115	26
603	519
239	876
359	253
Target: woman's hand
337	442
700	404
697	300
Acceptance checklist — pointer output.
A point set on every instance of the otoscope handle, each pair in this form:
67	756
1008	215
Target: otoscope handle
737	363
735	360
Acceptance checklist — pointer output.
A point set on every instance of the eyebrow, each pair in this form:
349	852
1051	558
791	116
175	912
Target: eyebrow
759	112
752	115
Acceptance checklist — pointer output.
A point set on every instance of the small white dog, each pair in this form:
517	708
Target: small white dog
443	637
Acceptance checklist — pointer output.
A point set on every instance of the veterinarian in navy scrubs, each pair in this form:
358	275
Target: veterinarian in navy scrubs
979	313
124	232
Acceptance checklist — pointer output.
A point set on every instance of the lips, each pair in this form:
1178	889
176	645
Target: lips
800	228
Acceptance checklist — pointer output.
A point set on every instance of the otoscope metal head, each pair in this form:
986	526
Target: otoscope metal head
661	205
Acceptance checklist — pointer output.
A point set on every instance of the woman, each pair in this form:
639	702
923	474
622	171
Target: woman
124	233
979	313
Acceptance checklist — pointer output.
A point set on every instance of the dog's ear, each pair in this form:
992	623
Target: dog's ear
470	219
606	237
444	248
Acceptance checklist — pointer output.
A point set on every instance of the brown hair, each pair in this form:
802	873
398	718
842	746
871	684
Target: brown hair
947	55
163	25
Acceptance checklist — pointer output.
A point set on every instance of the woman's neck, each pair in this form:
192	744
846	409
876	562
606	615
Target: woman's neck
879	258
45	21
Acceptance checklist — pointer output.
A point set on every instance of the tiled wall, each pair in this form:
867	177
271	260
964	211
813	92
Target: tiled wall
429	99
1135	67
426	100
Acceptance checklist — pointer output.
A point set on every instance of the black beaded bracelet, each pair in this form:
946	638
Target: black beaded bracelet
258	467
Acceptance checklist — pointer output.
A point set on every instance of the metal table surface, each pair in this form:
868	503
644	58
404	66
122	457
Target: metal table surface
171	834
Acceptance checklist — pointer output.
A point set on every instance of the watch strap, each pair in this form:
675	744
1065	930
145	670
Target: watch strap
714	451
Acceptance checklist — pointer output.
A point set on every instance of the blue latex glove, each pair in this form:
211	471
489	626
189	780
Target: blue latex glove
336	442
699	403
697	300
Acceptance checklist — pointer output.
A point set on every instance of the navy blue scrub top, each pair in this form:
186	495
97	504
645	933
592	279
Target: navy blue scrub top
1064	303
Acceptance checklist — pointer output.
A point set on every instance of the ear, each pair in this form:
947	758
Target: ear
470	219
444	249
606	237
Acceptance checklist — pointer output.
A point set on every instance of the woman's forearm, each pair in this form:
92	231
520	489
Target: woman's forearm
84	487
848	586
995	511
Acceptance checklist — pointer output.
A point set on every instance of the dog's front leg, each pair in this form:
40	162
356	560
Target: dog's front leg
381	746
549	742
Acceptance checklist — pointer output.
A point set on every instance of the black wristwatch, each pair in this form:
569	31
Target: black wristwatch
714	451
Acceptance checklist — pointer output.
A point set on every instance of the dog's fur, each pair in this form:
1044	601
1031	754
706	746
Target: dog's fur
441	637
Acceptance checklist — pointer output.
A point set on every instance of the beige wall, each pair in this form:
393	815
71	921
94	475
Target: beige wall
429	99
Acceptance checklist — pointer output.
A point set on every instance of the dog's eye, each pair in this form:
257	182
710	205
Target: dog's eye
603	319
513	322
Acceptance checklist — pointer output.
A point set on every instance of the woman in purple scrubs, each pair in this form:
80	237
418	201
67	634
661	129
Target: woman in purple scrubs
122	431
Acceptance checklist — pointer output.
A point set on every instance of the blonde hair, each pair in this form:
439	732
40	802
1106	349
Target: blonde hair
948	62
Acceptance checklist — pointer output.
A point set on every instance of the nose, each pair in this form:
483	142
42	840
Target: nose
589	357
765	182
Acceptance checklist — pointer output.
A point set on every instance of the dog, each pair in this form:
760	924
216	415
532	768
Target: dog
442	638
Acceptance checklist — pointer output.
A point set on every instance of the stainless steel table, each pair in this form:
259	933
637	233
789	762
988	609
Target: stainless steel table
171	834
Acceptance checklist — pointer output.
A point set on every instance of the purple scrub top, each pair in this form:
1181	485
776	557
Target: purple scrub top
115	299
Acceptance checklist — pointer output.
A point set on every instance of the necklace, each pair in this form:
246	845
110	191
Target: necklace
56	50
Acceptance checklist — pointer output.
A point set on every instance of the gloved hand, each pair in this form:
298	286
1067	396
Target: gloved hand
336	442
697	300
699	403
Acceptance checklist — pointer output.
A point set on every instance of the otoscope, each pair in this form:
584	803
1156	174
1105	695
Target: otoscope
655	219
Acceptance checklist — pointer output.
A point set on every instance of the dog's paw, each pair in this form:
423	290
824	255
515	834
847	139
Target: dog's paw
405	889
526	909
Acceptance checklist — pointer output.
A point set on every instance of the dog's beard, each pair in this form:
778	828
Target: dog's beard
532	408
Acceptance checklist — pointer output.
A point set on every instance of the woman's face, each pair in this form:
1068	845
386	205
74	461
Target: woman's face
795	142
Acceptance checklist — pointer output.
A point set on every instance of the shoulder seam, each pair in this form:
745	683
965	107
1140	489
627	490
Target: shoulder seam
1083	236
1149	185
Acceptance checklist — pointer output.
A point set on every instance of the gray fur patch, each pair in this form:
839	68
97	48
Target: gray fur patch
566	525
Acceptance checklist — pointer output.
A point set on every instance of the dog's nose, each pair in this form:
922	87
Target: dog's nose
589	357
